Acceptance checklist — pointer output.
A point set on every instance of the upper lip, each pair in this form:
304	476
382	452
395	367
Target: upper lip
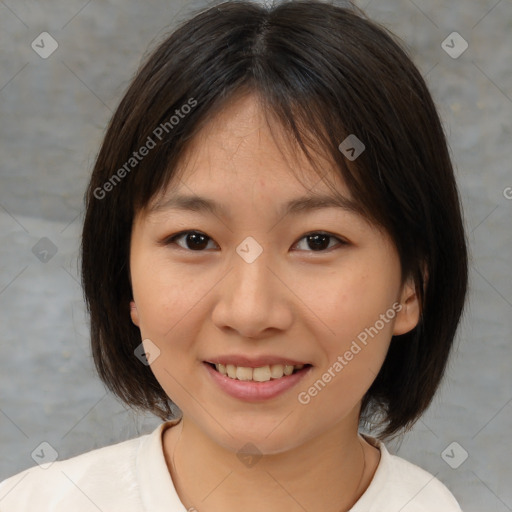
253	362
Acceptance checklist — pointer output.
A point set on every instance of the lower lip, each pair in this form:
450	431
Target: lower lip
256	391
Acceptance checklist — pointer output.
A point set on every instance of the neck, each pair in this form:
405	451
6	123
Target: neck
329	472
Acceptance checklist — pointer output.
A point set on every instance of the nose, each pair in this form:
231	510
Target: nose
254	299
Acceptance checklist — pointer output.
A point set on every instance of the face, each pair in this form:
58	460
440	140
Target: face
253	285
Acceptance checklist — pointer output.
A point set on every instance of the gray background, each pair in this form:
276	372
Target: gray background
53	115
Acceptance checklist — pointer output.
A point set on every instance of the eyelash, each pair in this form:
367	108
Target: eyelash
172	240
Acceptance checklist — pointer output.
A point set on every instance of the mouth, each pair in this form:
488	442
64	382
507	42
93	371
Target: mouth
264	373
256	383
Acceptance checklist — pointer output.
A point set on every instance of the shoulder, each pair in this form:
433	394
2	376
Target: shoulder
80	483
423	490
401	485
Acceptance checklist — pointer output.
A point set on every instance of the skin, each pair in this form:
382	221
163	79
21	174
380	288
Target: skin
293	301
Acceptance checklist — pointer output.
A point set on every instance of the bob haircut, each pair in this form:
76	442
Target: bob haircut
324	72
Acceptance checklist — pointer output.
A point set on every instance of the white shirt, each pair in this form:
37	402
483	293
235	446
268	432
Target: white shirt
132	476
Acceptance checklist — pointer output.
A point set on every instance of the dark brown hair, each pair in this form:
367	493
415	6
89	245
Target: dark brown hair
324	72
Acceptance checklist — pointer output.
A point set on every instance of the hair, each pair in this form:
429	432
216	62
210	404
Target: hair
323	72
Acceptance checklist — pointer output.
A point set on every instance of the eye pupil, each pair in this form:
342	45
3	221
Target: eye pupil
319	241
199	240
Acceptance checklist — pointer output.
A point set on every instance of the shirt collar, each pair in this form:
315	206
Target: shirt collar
369	498
157	489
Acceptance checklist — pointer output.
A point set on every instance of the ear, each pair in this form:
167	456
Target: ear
409	314
134	313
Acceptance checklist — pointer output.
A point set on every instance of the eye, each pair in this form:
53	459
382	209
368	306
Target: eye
319	241
198	241
195	240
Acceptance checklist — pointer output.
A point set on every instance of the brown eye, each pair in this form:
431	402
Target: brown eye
319	242
194	240
198	241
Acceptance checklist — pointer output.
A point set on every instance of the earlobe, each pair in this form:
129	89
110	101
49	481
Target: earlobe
409	314
134	313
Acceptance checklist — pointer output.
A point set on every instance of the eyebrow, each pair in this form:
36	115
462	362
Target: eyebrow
295	206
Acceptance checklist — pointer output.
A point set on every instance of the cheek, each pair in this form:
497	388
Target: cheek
352	357
352	300
357	313
170	300
166	318
165	294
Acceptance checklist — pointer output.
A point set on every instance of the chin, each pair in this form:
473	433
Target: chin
265	437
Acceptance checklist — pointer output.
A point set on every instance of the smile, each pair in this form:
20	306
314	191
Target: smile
256	384
258	374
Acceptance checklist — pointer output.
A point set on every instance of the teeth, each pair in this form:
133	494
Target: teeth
260	374
288	370
243	373
276	371
230	370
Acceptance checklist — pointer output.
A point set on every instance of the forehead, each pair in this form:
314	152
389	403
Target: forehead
239	153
